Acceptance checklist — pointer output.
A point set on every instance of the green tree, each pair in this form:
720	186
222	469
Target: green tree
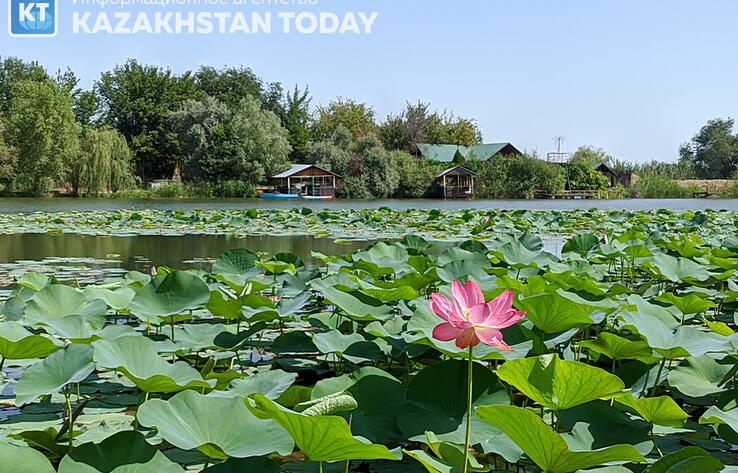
295	116
378	170
582	176
13	70
41	126
357	118
8	161
591	155
418	124
247	143
515	176
231	84
87	107
104	163
713	151
417	175
137	100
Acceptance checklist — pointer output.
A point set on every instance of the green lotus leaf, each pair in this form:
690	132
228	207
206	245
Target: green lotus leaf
117	299
597	424
125	452
677	269
432	464
272	384
518	255
452	453
235	262
581	244
22	460
322	438
218	427
169	295
559	384
192	338
331	404
389	294
699	377
137	358
71	365
657	410
689	304
277	267
554	313
715	415
17	343
35	281
686	460
358	306
664	333
437	400
58	301
383	259
335	342
545	447
619	348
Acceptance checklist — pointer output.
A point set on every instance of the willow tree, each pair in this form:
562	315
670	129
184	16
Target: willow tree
104	164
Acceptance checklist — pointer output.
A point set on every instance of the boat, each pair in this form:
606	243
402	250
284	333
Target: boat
277	196
317	197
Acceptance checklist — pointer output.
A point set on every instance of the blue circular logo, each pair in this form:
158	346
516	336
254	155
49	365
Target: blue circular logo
38	24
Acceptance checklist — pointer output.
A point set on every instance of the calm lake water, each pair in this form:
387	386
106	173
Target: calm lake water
66	204
141	252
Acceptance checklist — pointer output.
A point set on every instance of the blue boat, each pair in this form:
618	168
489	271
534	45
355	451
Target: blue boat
267	195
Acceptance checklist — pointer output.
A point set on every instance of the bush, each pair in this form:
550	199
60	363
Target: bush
417	175
226	189
657	187
515	177
584	177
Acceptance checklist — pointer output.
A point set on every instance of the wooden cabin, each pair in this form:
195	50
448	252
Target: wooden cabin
457	183
605	170
307	180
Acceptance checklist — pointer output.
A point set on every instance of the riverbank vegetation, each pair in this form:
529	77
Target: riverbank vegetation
224	132
621	348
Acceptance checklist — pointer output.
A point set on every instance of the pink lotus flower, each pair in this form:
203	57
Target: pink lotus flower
470	320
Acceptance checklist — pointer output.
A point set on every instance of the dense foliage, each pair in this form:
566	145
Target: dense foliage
627	353
515	176
713	151
582	176
218	125
41	127
243	142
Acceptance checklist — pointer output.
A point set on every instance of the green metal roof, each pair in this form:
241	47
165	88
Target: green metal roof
446	153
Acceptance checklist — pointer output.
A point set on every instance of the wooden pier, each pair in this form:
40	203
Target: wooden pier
707	192
579	194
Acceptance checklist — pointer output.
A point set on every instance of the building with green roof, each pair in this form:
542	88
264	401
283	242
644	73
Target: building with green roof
449	153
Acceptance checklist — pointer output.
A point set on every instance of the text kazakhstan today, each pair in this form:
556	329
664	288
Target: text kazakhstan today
223	22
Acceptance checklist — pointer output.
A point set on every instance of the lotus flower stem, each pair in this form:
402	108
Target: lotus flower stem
468	409
658	377
68	395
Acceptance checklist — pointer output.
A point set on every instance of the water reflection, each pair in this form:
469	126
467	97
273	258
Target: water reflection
140	252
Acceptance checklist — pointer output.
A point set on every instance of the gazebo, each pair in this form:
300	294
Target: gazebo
458	183
307	180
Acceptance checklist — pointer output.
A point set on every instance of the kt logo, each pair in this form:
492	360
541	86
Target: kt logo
29	19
